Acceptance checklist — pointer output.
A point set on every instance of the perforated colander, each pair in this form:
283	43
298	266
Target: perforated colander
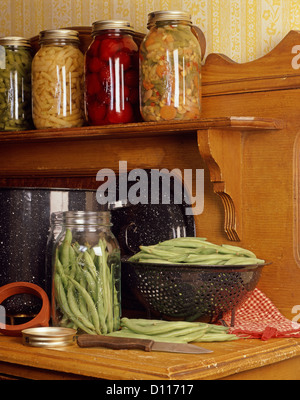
191	292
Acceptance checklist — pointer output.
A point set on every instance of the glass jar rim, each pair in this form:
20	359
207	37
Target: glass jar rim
14	41
111	24
173	15
86	218
59	34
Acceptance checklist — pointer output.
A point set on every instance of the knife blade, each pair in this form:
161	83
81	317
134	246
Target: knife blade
121	343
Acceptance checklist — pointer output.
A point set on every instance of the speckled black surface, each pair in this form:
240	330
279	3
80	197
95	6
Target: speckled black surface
147	224
24	227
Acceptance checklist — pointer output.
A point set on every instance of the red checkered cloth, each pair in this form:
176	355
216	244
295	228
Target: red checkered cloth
258	318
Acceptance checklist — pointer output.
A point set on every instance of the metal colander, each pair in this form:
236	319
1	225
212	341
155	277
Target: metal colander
191	292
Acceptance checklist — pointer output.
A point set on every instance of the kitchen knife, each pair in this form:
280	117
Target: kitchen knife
119	343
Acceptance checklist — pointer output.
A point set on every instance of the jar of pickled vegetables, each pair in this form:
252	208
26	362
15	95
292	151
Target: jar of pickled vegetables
86	291
112	74
58	80
15	84
170	68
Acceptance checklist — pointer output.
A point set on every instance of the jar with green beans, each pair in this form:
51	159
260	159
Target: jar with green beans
86	291
15	84
170	68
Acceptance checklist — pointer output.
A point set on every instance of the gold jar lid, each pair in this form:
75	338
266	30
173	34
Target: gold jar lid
59	34
14	41
48	337
157	16
111	24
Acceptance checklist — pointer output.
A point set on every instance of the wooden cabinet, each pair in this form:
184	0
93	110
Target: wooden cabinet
247	142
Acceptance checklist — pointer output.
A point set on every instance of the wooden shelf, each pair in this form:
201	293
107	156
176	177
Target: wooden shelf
241	359
83	151
141	129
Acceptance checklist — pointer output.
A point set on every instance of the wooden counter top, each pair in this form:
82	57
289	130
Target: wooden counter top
275	359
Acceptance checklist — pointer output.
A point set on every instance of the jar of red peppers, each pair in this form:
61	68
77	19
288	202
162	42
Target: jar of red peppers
170	68
112	74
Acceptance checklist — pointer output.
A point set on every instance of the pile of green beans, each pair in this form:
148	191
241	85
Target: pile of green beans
15	88
86	296
195	251
173	331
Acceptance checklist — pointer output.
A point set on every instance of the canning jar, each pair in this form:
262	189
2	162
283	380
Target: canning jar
58	80
56	220
86	291
170	68
112	74
15	84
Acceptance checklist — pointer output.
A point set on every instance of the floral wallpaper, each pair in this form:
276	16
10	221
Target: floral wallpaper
241	29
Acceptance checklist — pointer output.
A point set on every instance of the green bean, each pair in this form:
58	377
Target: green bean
73	265
63	304
90	304
75	310
208	257
88	261
60	270
92	254
64	253
146	322
156	261
130	334
60	295
117	310
218	338
186	331
82	304
217	329
76	248
100	305
157	329
107	292
194	336
195	251
239	250
173	331
143	256
243	261
91	284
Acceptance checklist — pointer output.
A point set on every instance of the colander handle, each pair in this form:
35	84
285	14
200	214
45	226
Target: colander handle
116	343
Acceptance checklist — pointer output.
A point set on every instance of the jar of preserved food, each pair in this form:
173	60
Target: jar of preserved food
15	84
112	74
170	68
86	274
58	80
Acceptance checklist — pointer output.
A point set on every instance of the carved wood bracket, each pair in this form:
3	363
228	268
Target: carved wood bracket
221	149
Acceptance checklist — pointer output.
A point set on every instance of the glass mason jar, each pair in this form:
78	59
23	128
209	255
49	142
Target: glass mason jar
56	224
15	84
112	75
86	292
170	68
58	80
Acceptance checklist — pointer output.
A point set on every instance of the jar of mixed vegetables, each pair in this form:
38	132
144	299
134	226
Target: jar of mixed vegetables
112	74
15	84
170	68
86	274
58	80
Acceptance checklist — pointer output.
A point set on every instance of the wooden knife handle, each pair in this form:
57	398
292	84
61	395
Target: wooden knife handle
114	342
